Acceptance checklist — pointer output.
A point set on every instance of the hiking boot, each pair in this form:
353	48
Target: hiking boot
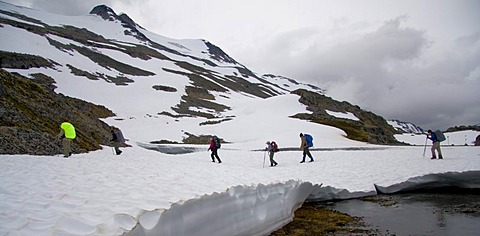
275	164
440	157
433	158
302	161
219	162
312	160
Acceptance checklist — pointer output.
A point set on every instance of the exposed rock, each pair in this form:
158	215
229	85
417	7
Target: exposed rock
30	118
105	12
164	88
14	60
370	127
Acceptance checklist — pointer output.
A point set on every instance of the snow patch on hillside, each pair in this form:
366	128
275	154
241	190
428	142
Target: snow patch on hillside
343	115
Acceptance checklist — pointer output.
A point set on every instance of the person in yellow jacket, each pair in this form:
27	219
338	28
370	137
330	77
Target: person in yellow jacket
68	132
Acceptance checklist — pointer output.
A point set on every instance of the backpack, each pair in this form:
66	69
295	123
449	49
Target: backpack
274	146
217	142
439	135
119	136
309	140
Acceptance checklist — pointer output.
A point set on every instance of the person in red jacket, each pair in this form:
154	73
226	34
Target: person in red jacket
214	146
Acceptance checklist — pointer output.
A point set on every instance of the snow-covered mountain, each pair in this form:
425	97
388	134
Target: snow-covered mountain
405	127
188	87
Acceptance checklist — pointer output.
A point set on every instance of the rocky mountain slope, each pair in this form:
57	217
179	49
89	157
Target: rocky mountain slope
107	59
31	116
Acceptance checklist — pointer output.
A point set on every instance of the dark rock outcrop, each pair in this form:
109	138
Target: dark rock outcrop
369	128
30	118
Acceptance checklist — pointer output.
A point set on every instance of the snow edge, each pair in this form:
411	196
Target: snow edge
262	209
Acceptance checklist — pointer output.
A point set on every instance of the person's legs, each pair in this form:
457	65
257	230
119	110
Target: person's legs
215	152
272	162
66	147
213	156
437	147
304	155
433	151
309	154
117	148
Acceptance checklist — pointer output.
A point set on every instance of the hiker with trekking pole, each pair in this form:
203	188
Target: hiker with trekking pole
271	149
436	138
214	146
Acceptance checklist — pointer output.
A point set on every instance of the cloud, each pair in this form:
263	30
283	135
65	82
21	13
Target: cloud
389	71
62	7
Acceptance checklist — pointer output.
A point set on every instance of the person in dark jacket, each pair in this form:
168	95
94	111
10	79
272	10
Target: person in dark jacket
271	152
117	139
214	147
435	145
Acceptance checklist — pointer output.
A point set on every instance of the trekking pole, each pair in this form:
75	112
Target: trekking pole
425	147
264	159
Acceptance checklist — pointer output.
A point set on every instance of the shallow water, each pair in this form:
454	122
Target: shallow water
417	213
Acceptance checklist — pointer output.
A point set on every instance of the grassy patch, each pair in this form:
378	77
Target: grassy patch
313	219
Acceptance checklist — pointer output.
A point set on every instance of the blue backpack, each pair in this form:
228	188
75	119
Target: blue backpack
309	140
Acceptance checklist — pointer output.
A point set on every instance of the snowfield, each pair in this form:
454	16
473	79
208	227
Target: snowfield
143	192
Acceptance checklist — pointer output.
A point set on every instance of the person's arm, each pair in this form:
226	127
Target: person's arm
302	145
61	133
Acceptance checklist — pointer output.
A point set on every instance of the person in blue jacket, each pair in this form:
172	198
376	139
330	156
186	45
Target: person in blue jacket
435	145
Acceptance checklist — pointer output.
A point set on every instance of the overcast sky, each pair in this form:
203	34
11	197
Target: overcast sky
412	60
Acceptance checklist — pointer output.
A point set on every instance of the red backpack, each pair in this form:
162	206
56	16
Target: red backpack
275	146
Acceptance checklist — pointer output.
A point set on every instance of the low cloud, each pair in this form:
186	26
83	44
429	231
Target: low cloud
62	7
390	71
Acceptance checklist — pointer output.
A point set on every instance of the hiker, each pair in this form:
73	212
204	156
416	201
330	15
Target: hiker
435	145
67	131
117	139
214	146
271	151
305	147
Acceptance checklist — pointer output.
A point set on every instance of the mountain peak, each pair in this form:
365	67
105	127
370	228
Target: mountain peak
105	12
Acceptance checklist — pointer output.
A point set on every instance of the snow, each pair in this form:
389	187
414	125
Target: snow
143	192
147	192
343	115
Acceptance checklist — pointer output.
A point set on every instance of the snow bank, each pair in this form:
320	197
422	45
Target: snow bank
256	210
320	194
465	180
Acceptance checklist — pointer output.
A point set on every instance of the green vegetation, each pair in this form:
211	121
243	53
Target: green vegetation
313	219
31	114
23	61
369	128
